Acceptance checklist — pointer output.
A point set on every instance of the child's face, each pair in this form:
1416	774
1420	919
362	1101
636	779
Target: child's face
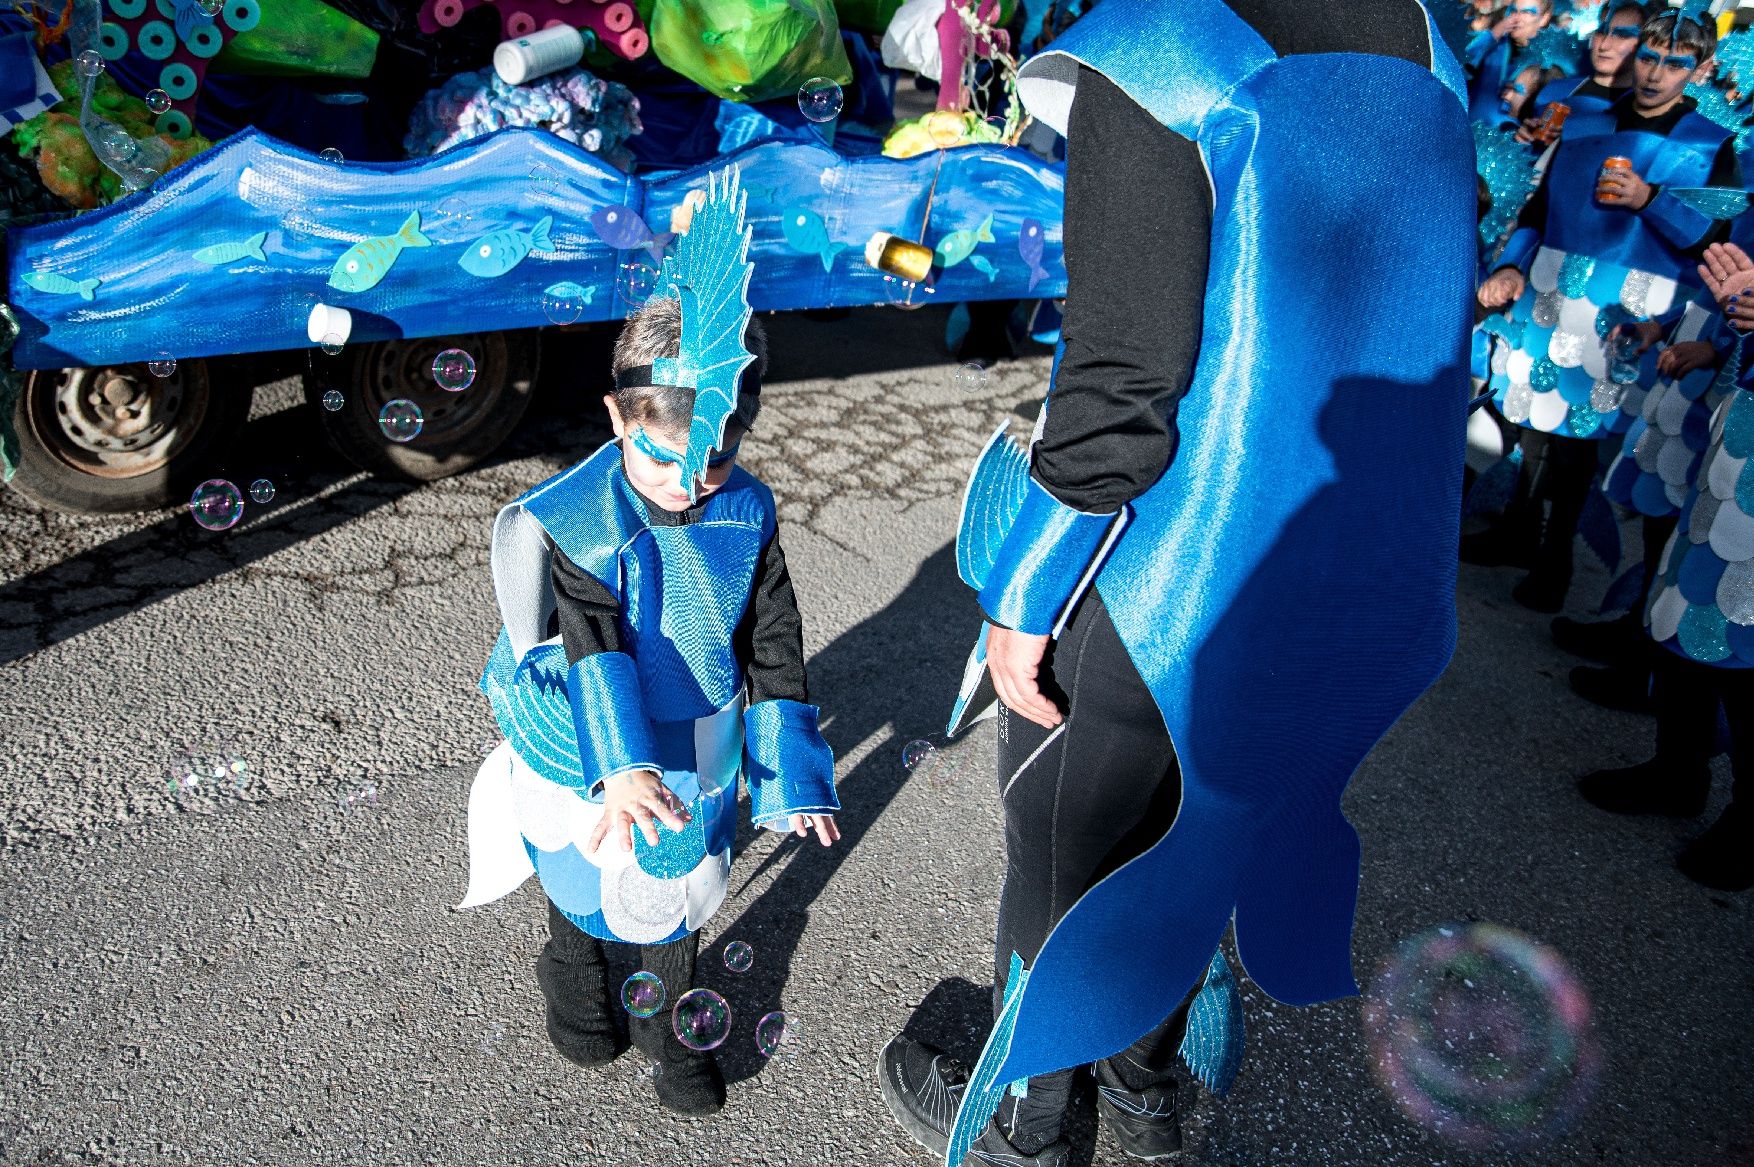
1661	72
1515	95
1612	45
652	459
1531	16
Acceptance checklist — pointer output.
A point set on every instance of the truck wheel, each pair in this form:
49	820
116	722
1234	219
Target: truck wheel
457	429
116	439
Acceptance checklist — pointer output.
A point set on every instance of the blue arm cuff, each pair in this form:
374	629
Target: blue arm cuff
1519	250
789	767
1679	224
614	736
1042	562
1477	47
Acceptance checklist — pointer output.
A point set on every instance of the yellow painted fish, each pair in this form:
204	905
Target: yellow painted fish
361	267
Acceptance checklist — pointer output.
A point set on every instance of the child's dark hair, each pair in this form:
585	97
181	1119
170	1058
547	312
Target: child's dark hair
1483	198
656	331
1682	36
1616	7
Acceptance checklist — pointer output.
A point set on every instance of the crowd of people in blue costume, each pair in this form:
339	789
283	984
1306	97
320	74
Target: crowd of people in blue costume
1228	422
1612	339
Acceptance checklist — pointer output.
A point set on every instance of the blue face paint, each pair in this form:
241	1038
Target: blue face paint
643	442
1649	56
1527	10
1623	32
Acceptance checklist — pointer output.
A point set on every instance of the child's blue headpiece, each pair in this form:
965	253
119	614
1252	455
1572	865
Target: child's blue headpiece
708	273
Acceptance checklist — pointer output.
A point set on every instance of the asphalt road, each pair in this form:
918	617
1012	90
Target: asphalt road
274	974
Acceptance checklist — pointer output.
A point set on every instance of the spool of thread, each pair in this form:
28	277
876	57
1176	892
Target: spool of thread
899	257
329	325
538	54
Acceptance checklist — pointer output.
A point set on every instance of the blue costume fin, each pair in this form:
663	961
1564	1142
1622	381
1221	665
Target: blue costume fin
1714	202
990	506
1623	592
1601	534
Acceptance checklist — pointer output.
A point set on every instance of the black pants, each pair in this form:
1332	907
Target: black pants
1559	469
1688	695
1077	807
573	974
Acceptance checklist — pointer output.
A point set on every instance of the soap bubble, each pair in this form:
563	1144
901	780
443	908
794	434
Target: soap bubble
739	956
915	752
701	1019
333	401
210	7
905	294
773	1031
970	376
358	797
820	99
330	154
642	994
216	504
261	490
89	63
162	365
635	283
454	370
564	303
332	344
1482	1034
400	420
157	100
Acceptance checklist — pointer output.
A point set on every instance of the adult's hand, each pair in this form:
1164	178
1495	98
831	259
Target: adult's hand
1728	273
1504	286
1014	660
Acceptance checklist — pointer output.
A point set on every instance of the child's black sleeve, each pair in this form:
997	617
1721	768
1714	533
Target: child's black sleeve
587	612
770	637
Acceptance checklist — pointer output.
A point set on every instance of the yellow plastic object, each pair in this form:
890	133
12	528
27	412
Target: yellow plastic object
750	50
939	130
300	38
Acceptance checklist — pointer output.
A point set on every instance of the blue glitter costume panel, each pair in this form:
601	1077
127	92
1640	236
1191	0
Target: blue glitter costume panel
1286	589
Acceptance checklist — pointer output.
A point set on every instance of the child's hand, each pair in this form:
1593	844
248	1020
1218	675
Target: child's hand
1680	359
635	799
824	824
1502	287
1644	333
1623	188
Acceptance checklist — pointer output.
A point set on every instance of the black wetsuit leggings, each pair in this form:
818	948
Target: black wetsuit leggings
1078	805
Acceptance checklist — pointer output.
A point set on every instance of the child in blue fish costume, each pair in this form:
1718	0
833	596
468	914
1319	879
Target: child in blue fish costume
1226	563
651	655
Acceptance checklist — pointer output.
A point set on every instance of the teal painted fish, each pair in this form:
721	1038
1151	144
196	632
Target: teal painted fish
361	266
221	253
959	245
806	232
56	285
985	266
567	290
498	253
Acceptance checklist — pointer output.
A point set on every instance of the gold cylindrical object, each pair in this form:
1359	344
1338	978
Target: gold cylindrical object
899	257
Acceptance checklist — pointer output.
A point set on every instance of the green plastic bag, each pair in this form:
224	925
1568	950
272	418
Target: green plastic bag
750	50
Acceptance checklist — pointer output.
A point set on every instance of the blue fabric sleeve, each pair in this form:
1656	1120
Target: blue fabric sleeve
614	736
1680	225
789	766
1519	250
1042	561
1481	44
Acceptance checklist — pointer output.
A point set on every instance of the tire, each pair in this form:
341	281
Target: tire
457	429
117	439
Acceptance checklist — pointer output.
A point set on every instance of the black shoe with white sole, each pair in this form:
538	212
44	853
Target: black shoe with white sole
1144	1122
924	1087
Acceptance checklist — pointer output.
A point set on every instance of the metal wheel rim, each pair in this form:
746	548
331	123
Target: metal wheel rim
402	369
116	421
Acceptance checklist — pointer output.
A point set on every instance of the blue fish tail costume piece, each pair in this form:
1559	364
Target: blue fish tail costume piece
671	699
1286	589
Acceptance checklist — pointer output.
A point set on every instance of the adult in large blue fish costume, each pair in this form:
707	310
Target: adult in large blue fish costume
1226	565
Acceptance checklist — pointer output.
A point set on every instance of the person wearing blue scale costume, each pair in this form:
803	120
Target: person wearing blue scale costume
1523	38
1612	44
1598	246
651	654
1226	564
1701	614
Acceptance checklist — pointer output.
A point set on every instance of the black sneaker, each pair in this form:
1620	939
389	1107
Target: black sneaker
1625	687
1651	787
1723	857
1144	1123
1618	641
924	1085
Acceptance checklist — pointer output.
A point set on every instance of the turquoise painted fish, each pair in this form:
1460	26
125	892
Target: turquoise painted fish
806	232
361	266
56	285
498	253
567	290
230	252
959	245
985	266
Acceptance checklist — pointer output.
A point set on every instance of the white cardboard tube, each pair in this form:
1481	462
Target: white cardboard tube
330	324
538	54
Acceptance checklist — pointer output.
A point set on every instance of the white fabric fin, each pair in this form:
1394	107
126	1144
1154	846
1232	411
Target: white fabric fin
498	863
